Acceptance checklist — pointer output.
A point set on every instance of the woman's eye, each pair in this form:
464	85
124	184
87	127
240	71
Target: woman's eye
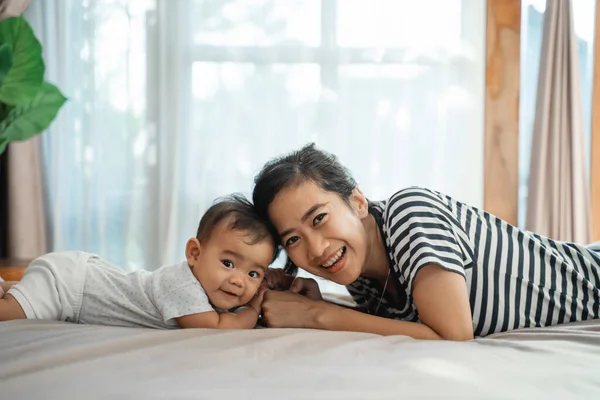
253	274
291	240
227	263
319	218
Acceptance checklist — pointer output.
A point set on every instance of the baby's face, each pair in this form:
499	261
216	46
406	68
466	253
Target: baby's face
229	268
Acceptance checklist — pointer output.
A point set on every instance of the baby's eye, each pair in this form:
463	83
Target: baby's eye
318	218
227	263
291	240
253	274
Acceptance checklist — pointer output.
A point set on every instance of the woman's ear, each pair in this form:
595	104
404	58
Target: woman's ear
193	248
360	203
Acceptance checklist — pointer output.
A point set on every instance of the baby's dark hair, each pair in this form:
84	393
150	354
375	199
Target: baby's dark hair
308	163
240	216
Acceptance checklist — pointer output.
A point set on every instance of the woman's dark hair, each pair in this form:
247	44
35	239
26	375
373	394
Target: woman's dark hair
240	216
308	163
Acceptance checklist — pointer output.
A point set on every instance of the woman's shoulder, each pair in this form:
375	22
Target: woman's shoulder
409	194
417	192
416	204
416	196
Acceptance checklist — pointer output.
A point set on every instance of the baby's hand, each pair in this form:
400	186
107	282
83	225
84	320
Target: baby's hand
257	300
276	279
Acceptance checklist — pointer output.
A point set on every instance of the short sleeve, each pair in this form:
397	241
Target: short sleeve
186	300
176	292
421	231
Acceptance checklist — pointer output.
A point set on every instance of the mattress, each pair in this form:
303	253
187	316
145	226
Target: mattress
53	360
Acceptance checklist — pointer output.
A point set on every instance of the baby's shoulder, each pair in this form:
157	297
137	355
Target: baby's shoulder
170	278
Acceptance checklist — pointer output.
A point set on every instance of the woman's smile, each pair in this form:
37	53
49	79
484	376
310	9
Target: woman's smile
335	262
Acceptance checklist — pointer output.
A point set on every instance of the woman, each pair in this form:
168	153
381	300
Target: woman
419	264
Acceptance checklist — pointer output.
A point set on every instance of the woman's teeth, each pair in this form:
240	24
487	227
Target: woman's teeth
333	260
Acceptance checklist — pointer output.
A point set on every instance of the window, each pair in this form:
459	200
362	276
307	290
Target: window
174	103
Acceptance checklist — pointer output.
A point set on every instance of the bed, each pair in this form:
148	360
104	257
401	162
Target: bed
52	360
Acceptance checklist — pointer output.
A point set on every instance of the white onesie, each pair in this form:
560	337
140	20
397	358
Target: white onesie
81	287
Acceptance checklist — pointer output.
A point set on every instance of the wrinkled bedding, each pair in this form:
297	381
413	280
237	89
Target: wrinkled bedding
52	360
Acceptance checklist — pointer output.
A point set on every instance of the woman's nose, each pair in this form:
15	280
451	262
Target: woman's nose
317	246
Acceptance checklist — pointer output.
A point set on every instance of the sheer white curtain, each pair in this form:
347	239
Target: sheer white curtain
173	103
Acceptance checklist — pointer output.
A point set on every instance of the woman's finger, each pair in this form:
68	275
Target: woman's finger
273	276
301	285
297	285
307	287
277	279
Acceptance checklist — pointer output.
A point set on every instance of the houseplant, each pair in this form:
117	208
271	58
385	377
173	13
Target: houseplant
28	104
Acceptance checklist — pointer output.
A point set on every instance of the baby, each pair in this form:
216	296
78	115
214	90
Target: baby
224	268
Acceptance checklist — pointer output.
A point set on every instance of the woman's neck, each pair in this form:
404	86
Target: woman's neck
376	264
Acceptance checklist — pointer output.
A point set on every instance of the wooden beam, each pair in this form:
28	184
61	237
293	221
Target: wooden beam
595	153
502	81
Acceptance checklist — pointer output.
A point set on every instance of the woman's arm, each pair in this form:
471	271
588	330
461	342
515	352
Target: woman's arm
440	297
345	319
442	300
291	310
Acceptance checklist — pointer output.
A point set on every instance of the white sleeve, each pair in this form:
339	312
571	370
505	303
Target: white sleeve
186	300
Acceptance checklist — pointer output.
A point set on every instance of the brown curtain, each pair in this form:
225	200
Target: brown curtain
26	216
9	8
4	204
22	217
558	203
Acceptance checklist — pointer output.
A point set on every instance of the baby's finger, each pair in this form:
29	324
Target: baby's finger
261	294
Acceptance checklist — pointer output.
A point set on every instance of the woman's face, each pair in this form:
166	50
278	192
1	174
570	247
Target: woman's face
320	232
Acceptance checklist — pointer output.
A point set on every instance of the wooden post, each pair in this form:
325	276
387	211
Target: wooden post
503	46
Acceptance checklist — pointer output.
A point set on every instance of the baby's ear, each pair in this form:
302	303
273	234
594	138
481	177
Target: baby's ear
193	248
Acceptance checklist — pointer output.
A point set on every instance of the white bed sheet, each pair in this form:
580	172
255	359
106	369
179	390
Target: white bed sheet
49	360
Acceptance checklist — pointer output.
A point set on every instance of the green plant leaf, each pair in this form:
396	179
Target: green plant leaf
5	61
27	120
27	73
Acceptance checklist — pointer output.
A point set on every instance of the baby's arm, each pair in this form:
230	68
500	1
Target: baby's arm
5	286
244	318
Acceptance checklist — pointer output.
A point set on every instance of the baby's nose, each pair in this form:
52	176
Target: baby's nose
237	280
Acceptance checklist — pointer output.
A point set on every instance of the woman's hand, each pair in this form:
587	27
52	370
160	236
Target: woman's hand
292	310
296	308
276	279
307	287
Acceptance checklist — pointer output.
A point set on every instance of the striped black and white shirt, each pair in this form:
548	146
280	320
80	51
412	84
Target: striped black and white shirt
515	278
